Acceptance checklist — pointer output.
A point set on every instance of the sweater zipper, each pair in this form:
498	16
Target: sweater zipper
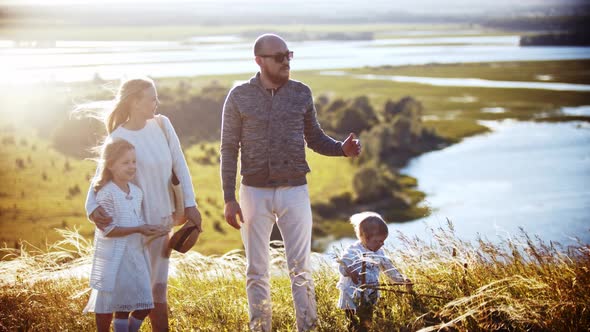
269	115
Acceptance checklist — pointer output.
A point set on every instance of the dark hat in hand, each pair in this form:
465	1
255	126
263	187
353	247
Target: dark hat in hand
184	238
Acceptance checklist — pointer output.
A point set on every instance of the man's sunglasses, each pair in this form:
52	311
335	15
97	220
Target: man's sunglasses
279	57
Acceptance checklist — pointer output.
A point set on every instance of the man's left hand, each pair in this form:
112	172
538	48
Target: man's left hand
193	215
351	146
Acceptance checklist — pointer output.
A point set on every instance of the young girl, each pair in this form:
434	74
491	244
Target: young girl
360	266
120	277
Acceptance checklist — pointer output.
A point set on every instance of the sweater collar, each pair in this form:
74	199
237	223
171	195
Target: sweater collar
364	249
255	80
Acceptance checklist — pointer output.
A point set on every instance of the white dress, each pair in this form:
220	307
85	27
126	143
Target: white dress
157	154
375	262
120	277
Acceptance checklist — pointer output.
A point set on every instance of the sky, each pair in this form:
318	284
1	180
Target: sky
219	12
375	5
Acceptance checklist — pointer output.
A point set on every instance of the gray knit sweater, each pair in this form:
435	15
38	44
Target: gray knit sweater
270	129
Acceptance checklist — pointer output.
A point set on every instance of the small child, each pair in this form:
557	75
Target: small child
360	266
120	277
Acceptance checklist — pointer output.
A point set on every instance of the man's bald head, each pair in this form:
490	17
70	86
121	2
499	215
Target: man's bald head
267	41
272	56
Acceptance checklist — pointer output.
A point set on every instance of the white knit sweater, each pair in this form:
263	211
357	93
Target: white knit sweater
155	160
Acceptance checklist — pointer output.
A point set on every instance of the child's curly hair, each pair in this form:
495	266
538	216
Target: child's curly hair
368	224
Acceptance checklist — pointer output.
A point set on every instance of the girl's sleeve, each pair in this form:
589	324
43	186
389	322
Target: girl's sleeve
91	203
105	199
387	267
179	164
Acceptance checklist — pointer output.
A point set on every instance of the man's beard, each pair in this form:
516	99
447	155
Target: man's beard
278	78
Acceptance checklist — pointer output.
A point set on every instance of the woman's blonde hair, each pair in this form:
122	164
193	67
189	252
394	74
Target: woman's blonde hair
111	151
128	92
116	111
368	224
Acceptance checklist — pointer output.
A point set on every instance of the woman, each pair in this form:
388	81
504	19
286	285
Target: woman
132	119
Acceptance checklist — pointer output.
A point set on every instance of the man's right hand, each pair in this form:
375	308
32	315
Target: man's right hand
232	212
100	218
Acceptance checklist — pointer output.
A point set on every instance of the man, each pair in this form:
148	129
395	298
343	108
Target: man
268	120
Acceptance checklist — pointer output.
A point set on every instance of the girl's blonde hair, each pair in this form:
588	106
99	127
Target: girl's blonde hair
116	112
111	151
368	224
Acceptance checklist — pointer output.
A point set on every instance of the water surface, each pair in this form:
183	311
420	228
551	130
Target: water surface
523	174
230	54
465	82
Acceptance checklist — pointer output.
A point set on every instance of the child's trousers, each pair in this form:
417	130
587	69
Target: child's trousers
290	208
360	320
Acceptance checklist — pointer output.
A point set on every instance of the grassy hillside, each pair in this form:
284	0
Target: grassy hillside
44	190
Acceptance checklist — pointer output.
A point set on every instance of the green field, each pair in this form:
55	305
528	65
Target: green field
454	111
36	198
43	189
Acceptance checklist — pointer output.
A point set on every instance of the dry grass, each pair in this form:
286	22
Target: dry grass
521	284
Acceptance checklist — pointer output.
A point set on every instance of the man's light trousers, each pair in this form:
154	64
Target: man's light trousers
290	208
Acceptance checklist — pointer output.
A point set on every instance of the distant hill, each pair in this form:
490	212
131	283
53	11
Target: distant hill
556	39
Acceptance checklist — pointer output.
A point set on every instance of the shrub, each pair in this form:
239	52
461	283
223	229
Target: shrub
20	164
372	184
74	190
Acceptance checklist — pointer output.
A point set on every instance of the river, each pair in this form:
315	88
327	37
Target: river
466	82
83	60
522	174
